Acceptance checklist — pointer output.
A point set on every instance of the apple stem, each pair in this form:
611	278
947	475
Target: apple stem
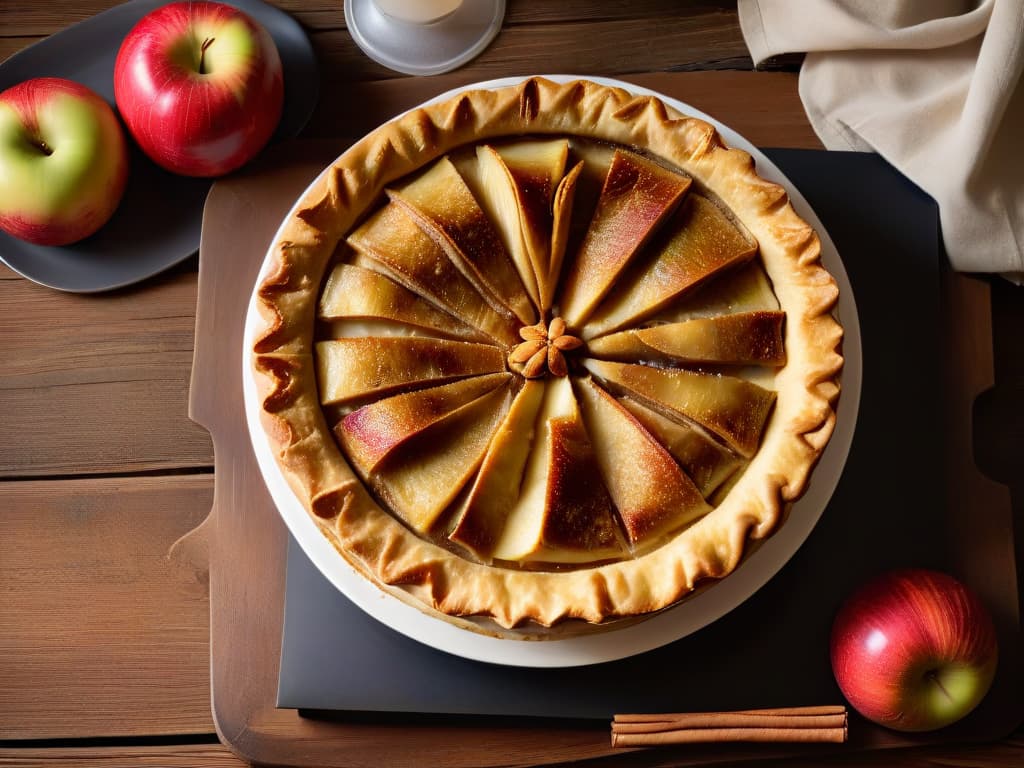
43	147
202	54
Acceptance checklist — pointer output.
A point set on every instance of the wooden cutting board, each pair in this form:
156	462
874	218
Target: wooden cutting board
248	539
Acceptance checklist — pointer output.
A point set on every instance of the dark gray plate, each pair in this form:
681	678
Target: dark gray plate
158	222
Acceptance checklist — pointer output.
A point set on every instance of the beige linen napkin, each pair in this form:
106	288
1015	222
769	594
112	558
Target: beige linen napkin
931	85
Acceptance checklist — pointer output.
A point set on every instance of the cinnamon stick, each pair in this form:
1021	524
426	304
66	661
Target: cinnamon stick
733	720
722	735
827	709
788	724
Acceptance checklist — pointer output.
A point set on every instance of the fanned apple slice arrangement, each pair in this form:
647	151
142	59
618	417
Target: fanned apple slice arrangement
548	353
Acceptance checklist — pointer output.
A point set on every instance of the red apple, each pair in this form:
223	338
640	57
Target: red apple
63	161
914	650
200	86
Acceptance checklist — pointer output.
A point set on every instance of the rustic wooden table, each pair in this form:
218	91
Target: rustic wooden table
104	616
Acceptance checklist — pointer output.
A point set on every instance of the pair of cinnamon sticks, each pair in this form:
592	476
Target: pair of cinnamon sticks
789	724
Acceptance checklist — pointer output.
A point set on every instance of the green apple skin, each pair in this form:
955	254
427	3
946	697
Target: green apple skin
63	161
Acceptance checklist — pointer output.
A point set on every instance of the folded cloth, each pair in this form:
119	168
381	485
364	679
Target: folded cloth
931	85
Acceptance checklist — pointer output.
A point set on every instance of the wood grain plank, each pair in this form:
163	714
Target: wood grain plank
112	383
185	756
44	18
602	46
1008	754
41	19
599	47
536	38
103	633
1005	754
524	12
329	14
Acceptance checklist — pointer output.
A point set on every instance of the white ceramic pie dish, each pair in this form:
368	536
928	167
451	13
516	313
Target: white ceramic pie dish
694	612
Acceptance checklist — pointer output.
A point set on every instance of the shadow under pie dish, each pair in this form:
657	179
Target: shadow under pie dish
545	352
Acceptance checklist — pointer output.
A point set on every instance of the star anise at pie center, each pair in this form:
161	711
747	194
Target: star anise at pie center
542	349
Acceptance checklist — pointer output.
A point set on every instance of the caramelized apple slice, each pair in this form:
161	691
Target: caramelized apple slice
699	241
351	368
653	495
354	294
637	196
597	158
369	434
733	409
563	513
421	479
499	199
753	338
744	289
496	487
392	242
565	196
706	462
442	205
518	183
575	202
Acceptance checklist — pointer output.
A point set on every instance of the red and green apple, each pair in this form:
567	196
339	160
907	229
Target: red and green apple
914	650
63	161
200	87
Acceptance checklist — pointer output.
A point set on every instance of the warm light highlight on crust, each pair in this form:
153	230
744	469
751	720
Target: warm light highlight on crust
381	547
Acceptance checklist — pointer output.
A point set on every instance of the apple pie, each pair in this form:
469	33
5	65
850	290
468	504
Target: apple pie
546	352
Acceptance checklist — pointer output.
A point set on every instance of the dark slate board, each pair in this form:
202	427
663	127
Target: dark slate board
773	649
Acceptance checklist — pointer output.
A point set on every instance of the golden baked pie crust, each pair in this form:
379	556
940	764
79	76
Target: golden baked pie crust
437	579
